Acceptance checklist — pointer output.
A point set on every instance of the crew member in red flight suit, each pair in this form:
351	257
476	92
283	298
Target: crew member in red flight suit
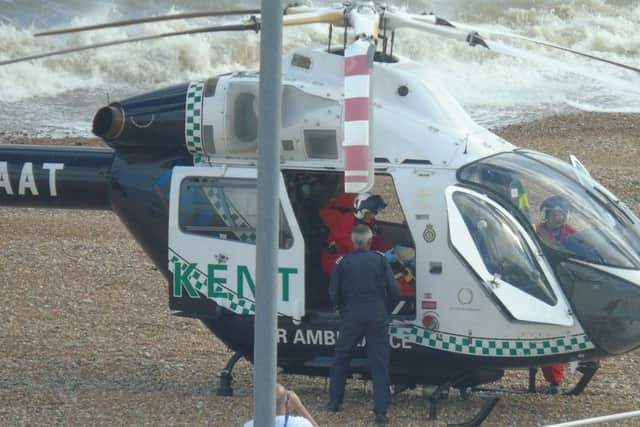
365	208
554	230
332	212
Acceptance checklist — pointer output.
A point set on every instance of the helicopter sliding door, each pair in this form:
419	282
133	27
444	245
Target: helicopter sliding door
212	236
505	257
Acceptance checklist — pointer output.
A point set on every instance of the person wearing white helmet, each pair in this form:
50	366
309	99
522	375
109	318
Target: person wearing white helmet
553	230
365	208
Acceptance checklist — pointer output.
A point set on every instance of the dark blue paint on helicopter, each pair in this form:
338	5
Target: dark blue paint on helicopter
83	183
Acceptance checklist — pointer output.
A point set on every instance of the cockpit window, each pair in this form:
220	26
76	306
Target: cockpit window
566	216
624	215
502	248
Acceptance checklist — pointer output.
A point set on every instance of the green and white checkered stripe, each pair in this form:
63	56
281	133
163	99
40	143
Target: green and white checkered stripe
492	347
232	302
193	121
230	215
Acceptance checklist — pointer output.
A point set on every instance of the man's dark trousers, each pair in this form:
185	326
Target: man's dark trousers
376	333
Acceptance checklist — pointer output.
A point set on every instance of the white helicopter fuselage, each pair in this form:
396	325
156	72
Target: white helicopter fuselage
435	127
420	137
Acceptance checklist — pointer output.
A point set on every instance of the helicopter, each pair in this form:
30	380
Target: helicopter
484	292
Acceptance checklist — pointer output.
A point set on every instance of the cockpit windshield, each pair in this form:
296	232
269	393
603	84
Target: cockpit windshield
567	216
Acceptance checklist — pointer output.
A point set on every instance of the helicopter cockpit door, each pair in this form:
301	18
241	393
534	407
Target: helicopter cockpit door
505	257
212	233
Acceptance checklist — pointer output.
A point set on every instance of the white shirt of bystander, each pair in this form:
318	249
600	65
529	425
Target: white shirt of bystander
284	421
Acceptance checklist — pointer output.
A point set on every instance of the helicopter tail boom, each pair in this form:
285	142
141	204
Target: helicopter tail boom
55	177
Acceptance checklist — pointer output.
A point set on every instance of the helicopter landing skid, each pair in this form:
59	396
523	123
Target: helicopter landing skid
532	380
482	414
226	378
443	388
399	388
588	370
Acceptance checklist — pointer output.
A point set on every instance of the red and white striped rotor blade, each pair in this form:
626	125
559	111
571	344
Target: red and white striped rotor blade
356	150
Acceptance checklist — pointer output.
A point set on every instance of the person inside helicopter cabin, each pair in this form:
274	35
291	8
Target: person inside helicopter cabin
365	208
336	207
553	230
509	186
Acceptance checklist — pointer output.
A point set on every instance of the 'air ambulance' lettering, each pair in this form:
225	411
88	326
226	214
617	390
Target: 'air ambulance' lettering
329	337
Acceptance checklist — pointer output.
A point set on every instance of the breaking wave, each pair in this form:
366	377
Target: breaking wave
494	89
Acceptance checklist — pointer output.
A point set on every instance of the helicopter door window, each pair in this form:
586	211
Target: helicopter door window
500	249
224	209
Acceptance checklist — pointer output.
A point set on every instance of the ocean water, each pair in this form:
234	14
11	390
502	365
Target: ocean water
58	96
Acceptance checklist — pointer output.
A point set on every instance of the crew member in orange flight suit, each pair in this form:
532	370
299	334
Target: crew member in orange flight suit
365	208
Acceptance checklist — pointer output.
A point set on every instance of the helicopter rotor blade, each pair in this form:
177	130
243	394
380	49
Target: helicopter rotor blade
358	171
435	20
612	81
396	20
322	16
555	46
434	25
128	22
358	63
255	25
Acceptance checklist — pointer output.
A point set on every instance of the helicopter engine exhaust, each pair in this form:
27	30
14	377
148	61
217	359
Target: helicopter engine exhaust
55	177
108	122
153	120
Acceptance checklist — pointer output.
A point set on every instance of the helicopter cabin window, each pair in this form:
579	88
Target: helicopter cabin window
322	209
224	208
503	252
245	120
210	87
242	120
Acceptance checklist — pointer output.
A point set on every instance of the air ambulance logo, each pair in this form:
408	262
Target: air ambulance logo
429	233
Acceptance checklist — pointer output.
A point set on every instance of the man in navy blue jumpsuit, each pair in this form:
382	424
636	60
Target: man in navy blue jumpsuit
364	289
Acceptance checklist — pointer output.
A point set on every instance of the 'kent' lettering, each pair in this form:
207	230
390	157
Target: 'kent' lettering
285	281
181	278
217	282
243	273
212	281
